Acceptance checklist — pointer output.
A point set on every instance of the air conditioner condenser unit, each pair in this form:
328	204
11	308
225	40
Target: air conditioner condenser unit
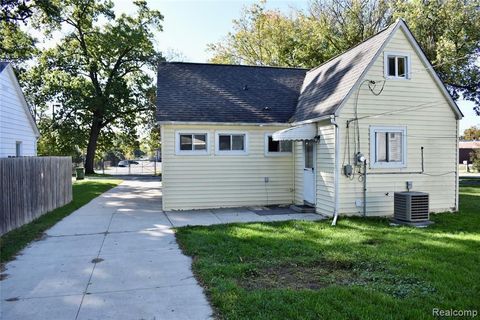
411	207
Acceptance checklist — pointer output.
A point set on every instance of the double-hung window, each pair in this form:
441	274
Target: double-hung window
388	147
194	143
234	143
277	147
397	65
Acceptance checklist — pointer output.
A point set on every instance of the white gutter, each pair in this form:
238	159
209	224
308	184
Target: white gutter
263	124
276	124
336	175
311	120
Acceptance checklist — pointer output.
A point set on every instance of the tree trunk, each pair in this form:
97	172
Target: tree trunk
92	146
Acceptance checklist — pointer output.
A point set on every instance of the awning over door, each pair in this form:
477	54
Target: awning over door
304	132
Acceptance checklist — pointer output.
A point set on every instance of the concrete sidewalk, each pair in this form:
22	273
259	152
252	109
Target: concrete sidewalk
115	258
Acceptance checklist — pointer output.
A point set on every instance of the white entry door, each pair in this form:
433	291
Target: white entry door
309	172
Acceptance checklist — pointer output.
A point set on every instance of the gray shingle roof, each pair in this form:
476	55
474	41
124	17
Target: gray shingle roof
3	65
326	86
226	93
215	93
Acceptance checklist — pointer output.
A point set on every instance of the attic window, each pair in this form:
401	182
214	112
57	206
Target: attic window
397	65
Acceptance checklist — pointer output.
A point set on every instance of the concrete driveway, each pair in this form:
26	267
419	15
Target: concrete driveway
115	258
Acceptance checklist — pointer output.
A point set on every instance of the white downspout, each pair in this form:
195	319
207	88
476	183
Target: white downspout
337	169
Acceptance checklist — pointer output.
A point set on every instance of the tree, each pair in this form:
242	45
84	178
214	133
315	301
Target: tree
98	71
446	30
300	39
151	142
16	45
475	159
472	133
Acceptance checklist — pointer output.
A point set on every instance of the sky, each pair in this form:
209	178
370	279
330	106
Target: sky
189	26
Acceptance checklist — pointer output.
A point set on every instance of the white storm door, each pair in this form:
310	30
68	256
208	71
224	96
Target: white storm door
309	172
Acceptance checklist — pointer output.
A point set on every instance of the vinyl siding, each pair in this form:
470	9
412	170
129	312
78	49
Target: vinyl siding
432	126
14	124
215	181
325	169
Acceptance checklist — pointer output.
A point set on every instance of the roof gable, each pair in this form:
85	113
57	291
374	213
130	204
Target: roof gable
7	67
3	65
400	24
326	87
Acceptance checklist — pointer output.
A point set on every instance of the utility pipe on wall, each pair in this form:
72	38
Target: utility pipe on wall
365	188
336	170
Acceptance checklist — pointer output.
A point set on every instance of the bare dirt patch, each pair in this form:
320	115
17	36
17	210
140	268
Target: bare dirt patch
373	242
313	276
321	274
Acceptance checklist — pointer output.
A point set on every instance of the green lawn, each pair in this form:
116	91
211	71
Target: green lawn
83	191
360	269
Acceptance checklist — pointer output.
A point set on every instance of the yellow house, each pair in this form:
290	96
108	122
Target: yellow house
341	138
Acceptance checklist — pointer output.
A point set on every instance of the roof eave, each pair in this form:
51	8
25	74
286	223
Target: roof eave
260	124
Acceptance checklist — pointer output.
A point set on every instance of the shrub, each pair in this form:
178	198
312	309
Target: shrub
475	159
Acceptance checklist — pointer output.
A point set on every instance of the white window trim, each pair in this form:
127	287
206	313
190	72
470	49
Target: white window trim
275	154
373	147
230	152
387	54
192	152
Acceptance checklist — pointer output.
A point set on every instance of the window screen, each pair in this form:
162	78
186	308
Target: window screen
309	154
238	142
381	138
401	66
389	147
279	146
193	142
231	142
200	142
397	66
394	146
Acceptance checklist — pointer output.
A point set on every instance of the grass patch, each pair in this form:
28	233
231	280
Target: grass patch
83	191
360	269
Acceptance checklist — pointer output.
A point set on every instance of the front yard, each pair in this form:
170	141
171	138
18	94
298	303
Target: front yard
360	269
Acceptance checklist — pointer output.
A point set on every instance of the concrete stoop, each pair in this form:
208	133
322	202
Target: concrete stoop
302	208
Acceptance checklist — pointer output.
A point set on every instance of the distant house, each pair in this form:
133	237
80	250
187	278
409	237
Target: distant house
340	138
465	148
18	131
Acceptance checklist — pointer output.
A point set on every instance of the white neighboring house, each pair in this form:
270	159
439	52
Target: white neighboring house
18	131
